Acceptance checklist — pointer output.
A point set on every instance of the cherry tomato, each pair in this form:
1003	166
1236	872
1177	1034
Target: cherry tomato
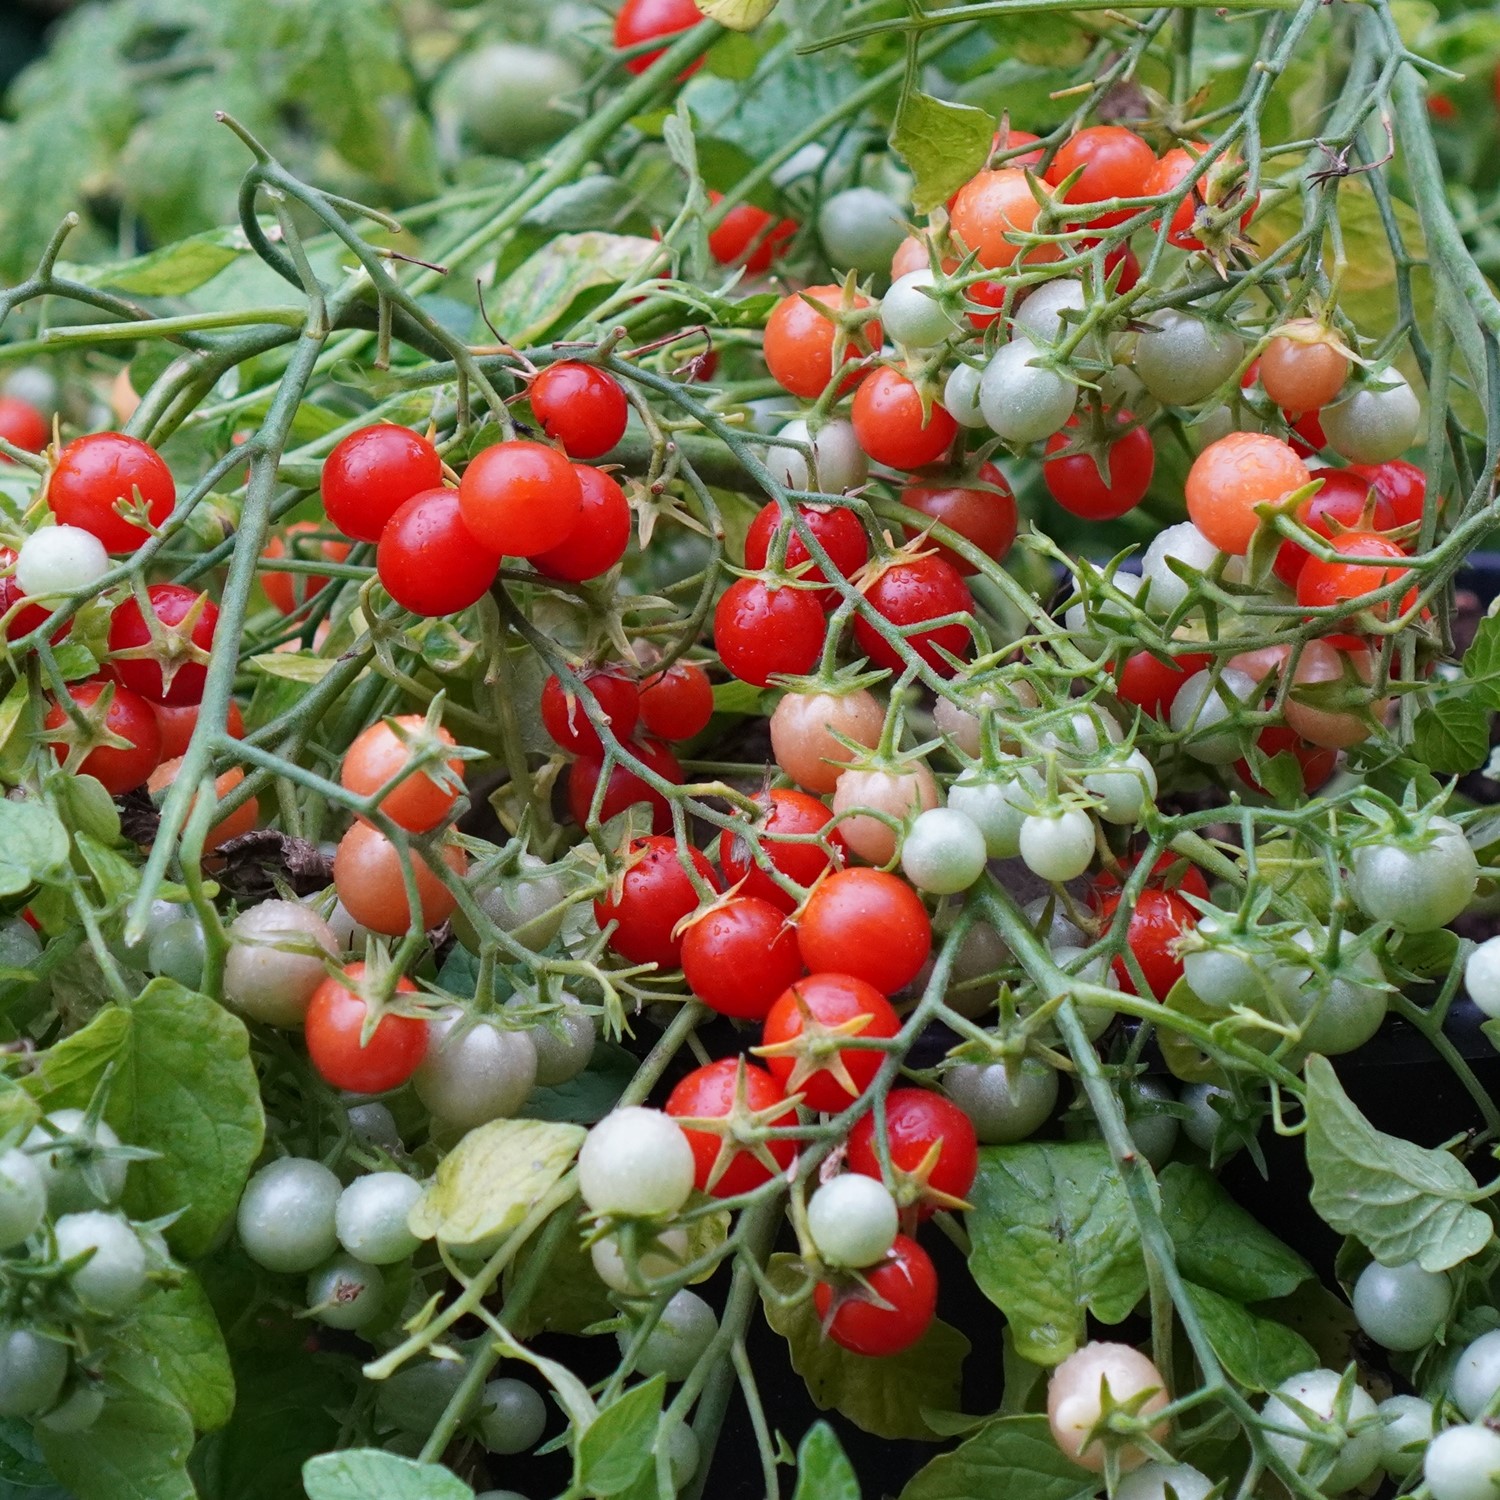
763	630
644	20
906	1286
1403	485
1316	762
808	731
1157	920
429	561
1151	684
1322	583
989	208
599	537
240	821
835	526
624	787
740	957
1130	268
1171	872
288	592
748	236
177	722
94	474
520	498
173	667
984	516
678	703
22	425
799	341
1303	373
723	1166
372	473
1074	480
909	592
1234	475
866	923
649	899
892	427
419	802
567	721
1306	436
989	295
119	768
28	616
1346	498
335	1037
789	814
367	877
932	1149
804	1035
1116	163
1007	142
580	406
1213	189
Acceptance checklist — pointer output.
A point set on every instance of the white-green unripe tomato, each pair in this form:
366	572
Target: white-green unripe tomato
512	1416
1022	400
1181	360
912	315
1040	315
853	1221
1058	845
1401	1307
838	462
113	1278
943	852
681	1336
76	1173
1463	1463
503	96
32	1370
370	1217
276	961
345	1293
474	1072
23	1198
961	396
861	229
1151	1482
78	1410
1482	977
1474	1382
1183	544
664	1255
636	1161
1204	701
1377	422
286	1215
1416	887
564	1044
1405	1430
1354	1450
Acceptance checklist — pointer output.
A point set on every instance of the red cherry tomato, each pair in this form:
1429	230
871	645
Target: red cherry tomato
989	295
624	787
1157	920
740	957
790	815
1074	479
120	768
1130	268
599	537
1306	436
1316	763
991	208
749	236
94	474
1403	485
372	473
177	721
336	1044
429	561
520	498
1321	584
905	1285
799	341
378	755
1116	163
1152	684
1207	193
867	923
835	526
580	406
288	592
763	630
172	668
909	593
678	703
567	721
892	427
1171	872
804	1039
725	1166
1344	498
984	516
932	1148
22	425
652	896
644	20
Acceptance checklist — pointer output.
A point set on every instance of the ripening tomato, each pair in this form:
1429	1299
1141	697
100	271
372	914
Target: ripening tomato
991	207
372	473
288	592
740	956
909	592
1074	479
1346	498
1213	190
94	474
1152	684
1157	920
429	561
338	1048
931	1145
640	21
895	1312
836	528
29	616
22	425
119	768
232	826
1303	369
1317	763
790	815
167	662
519	498
1234	475
367	877
580	406
763	629
1403	486
379	755
1116	163
748	236
650	898
739	1095
177	722
1171	872
808	731
678	703
599	537
983	513
1322	584
799	340
624	788
806	1032
892	426
867	923
570	724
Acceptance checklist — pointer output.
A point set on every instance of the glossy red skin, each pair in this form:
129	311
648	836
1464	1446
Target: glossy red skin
707	1093
1318	764
567	720
830	999
985	294
130	717
1343	499
170	603
985	517
581	406
746	225
889	423
867	923
642	20
763	632
1306	436
1165	177
678	703
429	561
289	592
178	720
651	898
29	616
92	472
335	1019
372	473
835	526
790	813
520	498
1186	876
1329	583
1116	163
600	536
906	1285
907	593
624	787
1130	272
1152	685
739	958
22	425
915	1120
1403	485
1157	920
799	341
1074	482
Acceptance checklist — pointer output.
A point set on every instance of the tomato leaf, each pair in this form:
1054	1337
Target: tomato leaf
1053	1240
588	1097
618	1443
33	843
1404	1202
1257	1352
177	1330
568	1299
360	1473
737	15
1011	1456
879	1395
171	271
535	295
1453	738
1482	663
823	1468
944	145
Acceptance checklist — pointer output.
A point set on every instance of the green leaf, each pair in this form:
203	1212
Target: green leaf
1404	1202
1221	1246
1257	1352
85	807
1428	955
1452	738
1010	1457
618	1444
1482	663
537	294
739	697
71	1069
491	1180
590	1095
1053	1240
33	844
176	1328
944	145
171	271
568	1299
294	666
364	1473
882	1396
823	1468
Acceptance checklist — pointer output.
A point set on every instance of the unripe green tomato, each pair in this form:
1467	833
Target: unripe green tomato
943	852
345	1293
414	1399
681	1336
370	1217
75	1175
78	1410
564	1043
286	1215
113	1278
1401	1307
512	1416
23	1198
1005	1103
504	97
177	951
32	1370
522	903
861	229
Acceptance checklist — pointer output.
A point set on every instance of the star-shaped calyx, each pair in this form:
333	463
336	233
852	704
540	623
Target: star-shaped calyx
742	1128
818	1047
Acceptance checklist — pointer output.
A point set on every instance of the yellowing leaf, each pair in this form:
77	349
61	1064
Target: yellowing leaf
737	15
